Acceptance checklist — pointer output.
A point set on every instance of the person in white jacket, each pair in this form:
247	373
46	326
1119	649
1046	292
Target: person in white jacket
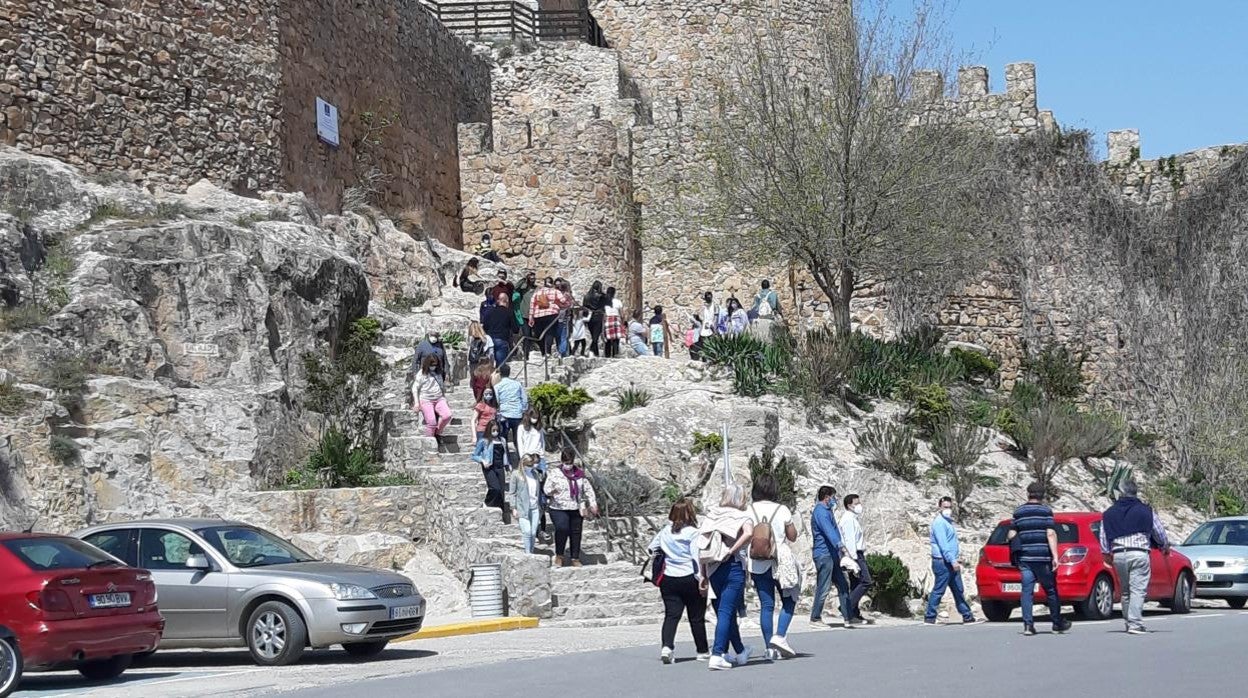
855	543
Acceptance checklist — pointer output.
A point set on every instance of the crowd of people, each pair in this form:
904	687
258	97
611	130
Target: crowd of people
741	542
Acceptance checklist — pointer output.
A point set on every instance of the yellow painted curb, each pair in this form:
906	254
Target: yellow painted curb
472	627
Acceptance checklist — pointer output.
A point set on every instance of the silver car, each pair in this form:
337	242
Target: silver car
1218	550
228	584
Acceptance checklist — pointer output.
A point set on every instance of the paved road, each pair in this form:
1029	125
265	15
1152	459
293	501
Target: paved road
1198	654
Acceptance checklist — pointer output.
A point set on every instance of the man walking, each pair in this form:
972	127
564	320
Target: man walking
856	546
1037	557
1128	529
827	551
513	402
945	566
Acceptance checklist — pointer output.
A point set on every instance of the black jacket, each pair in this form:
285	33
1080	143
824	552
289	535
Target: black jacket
500	323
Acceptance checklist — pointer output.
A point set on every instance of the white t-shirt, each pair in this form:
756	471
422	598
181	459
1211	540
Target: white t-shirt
614	307
530	442
778	517
533	487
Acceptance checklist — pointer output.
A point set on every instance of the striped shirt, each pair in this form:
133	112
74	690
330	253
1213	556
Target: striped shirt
1032	522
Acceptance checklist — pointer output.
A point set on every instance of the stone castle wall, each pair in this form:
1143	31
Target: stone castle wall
555	194
171	92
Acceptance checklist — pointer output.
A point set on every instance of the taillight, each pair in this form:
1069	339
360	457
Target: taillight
983	556
149	592
51	601
1073	555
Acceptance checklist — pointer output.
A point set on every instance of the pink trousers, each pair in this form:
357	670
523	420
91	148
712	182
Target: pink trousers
437	415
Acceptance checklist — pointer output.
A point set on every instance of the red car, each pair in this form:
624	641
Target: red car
1084	580
67	604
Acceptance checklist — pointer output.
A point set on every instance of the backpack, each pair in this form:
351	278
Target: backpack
764	307
543	301
476	350
762	543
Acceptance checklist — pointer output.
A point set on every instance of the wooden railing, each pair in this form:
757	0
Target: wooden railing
498	18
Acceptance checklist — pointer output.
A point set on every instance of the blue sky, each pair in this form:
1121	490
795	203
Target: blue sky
1175	69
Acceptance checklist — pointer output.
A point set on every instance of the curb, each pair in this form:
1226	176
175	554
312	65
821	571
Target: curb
471	627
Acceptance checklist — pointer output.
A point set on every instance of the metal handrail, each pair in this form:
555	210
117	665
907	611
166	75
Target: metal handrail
485	17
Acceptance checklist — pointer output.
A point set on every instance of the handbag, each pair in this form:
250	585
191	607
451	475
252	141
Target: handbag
788	574
652	569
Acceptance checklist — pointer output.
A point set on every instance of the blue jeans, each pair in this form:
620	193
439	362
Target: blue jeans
563	338
657	348
528	528
946	578
828	572
767	586
1041	572
639	347
501	349
728	581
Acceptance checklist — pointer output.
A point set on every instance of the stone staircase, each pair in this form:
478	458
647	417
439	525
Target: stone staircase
608	590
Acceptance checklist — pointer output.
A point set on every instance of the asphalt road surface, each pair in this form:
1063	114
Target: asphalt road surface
1193	655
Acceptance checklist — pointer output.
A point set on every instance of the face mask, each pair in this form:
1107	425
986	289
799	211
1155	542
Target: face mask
947	513
487	396
434	339
858	509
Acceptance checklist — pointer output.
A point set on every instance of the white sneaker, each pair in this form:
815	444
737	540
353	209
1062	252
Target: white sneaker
666	655
781	644
703	656
718	663
772	655
743	657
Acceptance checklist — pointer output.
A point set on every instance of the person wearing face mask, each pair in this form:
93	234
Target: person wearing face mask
429	397
945	566
827	550
856	546
431	345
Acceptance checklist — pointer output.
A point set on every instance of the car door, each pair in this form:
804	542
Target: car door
193	601
118	542
1161	584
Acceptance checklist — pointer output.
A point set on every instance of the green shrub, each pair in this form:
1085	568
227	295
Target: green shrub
980	412
786	471
1060	432
405	304
169	210
454	339
67	375
335	462
755	364
891	588
975	364
929	404
873	381
1058	372
707	444
959	450
672	492
1196	492
631	397
13	400
23	316
622	491
557	403
64	449
889	447
1025	396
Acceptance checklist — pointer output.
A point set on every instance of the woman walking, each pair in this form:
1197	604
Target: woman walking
480	346
485	412
531	436
660	334
613	323
500	324
482	376
491	454
680	586
595	302
525	495
738	319
429	396
638	335
723	539
764	563
570	498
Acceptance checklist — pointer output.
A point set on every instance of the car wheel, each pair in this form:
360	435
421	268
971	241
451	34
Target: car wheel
997	611
105	669
366	649
1183	590
276	635
1236	603
10	666
1100	602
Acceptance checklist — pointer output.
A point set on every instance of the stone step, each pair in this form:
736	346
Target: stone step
652	610
640	593
623	571
606	583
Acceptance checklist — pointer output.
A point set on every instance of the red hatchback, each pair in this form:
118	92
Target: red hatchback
1083	579
66	604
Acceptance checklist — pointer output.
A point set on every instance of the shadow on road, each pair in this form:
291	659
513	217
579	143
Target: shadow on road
67	681
191	659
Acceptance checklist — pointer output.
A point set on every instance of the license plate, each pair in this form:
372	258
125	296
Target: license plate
1204	576
404	612
1015	588
117	600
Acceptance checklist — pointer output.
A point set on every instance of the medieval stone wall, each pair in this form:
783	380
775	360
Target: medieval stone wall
555	194
171	92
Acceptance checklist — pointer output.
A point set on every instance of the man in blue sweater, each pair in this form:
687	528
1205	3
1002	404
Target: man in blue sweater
1129	529
827	551
945	566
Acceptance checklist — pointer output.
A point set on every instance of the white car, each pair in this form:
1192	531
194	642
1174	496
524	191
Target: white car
1218	550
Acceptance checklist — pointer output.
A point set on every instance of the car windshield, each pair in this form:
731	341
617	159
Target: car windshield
1066	533
42	554
245	546
1219	533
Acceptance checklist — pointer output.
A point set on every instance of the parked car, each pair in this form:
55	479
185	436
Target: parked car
1084	580
65	604
1218	550
227	584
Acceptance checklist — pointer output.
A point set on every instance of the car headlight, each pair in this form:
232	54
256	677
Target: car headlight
350	592
1237	562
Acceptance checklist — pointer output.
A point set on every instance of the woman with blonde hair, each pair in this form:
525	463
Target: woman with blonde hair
480	346
679	585
723	539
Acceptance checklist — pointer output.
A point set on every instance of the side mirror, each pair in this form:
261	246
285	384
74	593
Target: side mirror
198	562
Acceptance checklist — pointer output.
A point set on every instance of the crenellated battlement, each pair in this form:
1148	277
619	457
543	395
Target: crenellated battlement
1010	113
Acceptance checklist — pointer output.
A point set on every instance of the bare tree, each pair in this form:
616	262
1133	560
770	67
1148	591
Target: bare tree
836	161
959	450
1220	438
1061	432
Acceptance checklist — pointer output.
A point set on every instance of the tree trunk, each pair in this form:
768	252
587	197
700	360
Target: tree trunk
840	304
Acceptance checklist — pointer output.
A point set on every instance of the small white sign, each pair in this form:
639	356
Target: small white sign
201	350
327	122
